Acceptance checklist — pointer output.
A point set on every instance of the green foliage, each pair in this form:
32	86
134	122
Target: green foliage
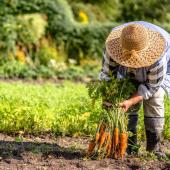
16	69
127	10
71	73
46	54
8	34
110	10
167	119
79	40
31	27
63	109
143	10
22	21
85	8
87	40
44	72
113	91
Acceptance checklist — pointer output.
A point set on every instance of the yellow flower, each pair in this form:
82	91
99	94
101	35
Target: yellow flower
20	55
83	17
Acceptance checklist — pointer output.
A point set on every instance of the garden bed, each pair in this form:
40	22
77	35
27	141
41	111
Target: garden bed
47	152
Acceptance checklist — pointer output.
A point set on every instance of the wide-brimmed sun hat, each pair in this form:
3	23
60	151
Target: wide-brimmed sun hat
135	46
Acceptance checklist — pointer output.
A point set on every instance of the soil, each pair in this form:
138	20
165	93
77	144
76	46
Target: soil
46	152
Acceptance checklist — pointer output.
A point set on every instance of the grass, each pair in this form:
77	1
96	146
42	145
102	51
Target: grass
62	109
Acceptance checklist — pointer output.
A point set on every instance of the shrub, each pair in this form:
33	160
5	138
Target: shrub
46	54
14	69
30	28
8	34
44	72
18	18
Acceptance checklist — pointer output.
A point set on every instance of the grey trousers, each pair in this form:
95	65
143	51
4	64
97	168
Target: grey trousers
153	112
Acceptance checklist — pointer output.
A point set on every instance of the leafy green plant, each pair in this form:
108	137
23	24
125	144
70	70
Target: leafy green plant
46	54
167	119
8	34
14	69
30	28
60	109
113	91
71	72
44	72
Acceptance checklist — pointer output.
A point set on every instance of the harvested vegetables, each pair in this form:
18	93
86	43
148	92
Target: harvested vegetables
111	136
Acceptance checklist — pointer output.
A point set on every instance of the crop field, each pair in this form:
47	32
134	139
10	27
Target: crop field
61	109
53	123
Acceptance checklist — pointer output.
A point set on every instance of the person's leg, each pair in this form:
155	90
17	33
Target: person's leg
154	121
132	127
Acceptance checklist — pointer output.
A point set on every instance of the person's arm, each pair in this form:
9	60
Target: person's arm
155	78
109	67
136	98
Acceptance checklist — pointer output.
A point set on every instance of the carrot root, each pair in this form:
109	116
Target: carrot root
91	147
123	144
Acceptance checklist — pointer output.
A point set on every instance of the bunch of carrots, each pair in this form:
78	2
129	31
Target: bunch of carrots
110	140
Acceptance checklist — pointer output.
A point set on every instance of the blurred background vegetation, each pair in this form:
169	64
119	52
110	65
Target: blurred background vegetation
52	38
61	39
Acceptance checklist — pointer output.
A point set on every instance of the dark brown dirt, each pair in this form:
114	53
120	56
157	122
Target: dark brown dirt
65	153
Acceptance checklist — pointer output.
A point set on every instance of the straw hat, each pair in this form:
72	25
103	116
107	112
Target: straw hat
135	46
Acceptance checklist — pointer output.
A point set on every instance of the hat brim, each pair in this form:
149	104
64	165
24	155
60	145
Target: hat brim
144	57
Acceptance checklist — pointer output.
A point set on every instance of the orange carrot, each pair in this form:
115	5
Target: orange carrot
112	149
91	147
123	144
116	136
108	140
102	140
101	131
102	128
116	142
108	146
109	150
97	137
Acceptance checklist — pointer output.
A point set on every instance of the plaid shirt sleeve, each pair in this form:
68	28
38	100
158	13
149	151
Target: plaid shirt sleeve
109	67
155	77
